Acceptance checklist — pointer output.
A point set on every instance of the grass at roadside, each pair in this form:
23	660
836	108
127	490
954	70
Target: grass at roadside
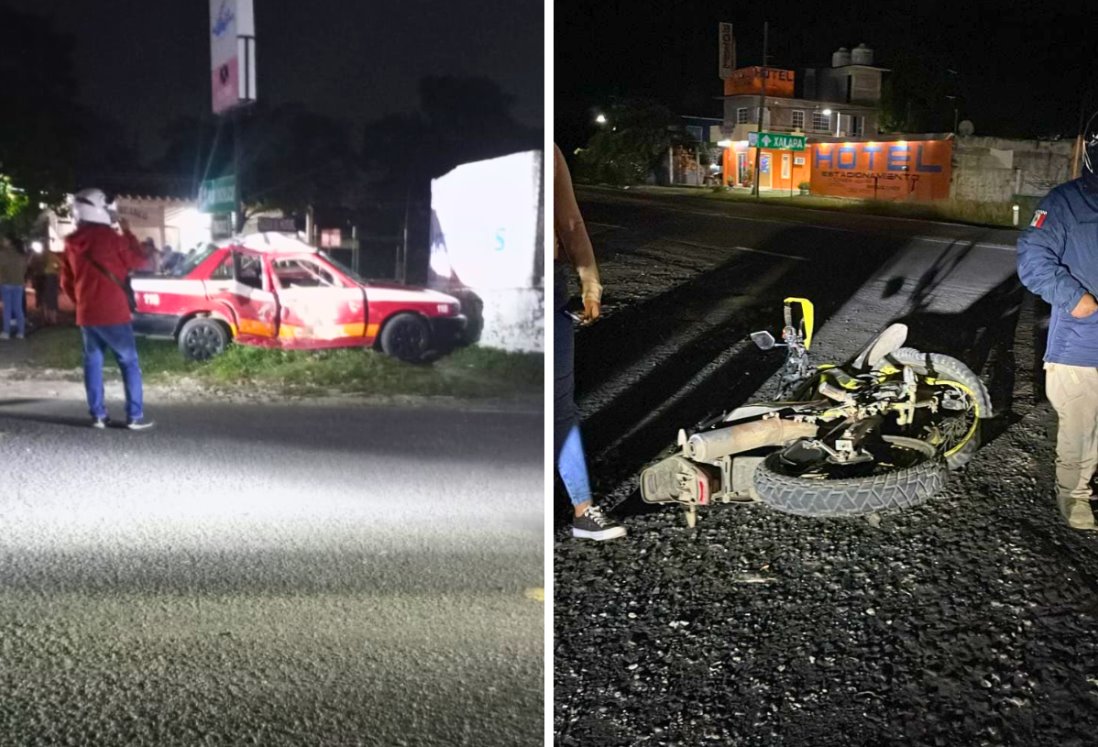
997	214
468	372
955	211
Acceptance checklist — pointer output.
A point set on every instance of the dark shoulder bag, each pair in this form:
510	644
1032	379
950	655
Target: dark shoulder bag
125	285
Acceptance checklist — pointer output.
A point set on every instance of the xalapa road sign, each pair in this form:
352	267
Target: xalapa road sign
776	140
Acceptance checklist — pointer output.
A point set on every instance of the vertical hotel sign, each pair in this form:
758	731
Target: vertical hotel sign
232	53
728	50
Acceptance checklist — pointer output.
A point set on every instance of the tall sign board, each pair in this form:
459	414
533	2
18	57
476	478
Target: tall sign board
232	54
728	50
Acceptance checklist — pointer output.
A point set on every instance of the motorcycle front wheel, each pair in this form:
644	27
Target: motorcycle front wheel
961	434
913	475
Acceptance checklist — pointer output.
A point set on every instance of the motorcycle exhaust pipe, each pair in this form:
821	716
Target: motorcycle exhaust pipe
734	439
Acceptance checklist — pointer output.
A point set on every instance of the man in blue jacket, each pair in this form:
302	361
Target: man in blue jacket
1058	260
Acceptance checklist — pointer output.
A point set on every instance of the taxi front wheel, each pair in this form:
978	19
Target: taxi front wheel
202	338
406	337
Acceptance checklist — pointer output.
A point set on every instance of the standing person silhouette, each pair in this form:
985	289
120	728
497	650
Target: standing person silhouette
572	247
93	268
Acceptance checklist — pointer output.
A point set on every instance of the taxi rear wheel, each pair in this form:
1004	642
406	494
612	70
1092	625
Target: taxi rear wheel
406	337
202	338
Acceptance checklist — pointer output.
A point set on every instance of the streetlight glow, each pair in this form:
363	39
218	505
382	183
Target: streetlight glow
601	119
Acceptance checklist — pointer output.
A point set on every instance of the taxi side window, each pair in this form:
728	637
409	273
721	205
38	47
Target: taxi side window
249	269
302	273
223	271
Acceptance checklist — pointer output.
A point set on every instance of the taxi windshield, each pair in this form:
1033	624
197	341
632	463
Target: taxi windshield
194	260
342	267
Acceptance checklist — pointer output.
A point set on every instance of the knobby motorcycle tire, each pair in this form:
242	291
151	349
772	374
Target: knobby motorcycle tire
854	496
947	367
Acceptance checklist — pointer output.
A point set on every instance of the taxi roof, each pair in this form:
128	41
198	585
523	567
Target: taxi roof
270	242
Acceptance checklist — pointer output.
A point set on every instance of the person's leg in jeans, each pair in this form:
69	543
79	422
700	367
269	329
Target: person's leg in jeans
19	293
568	446
93	371
120	339
589	522
7	297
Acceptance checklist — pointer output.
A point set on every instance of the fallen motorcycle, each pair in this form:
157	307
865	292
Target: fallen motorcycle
879	432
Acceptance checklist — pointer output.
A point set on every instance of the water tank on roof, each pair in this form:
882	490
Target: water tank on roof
862	55
840	58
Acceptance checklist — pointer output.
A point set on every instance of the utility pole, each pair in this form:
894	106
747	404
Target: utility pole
762	106
402	267
1080	143
238	197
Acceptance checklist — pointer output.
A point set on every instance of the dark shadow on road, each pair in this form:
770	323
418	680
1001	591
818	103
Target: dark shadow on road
15	401
294	431
982	337
74	422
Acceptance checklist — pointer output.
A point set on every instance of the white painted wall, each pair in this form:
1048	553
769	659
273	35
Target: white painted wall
485	238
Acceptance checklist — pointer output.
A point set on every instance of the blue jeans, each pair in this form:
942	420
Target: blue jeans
119	339
12	298
568	445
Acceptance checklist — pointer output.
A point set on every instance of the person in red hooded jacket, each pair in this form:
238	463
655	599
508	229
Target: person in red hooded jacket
94	268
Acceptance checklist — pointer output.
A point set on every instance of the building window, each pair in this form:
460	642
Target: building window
798	119
741	115
857	125
821	122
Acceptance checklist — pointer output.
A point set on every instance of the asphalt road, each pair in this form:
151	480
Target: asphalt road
271	575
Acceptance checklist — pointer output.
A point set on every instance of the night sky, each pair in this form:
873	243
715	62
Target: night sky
1024	67
147	63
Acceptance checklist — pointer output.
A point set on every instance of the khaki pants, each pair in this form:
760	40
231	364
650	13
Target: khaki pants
1073	391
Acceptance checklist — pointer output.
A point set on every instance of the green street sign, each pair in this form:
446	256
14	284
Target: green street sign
776	140
217	195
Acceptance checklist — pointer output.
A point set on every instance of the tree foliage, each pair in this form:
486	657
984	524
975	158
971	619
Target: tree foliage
459	120
915	93
632	142
39	120
290	157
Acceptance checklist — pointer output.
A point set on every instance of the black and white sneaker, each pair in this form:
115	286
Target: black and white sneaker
596	525
140	424
99	423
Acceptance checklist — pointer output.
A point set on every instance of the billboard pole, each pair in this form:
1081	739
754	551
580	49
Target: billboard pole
233	80
238	203
762	105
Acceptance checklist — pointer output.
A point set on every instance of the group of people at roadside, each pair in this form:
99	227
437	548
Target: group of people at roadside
17	266
93	272
163	261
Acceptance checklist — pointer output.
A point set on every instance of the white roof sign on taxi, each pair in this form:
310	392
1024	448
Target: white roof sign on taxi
272	242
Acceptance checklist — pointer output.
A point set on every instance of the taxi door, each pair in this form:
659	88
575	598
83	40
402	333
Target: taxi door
241	283
318	307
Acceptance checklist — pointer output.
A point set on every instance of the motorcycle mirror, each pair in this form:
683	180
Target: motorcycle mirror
763	340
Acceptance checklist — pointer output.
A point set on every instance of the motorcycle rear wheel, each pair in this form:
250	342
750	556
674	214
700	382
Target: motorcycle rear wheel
852	496
949	370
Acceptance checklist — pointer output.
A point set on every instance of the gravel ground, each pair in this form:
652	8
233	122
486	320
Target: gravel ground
970	620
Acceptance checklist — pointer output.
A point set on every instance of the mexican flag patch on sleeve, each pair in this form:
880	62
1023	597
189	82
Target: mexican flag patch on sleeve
1038	219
